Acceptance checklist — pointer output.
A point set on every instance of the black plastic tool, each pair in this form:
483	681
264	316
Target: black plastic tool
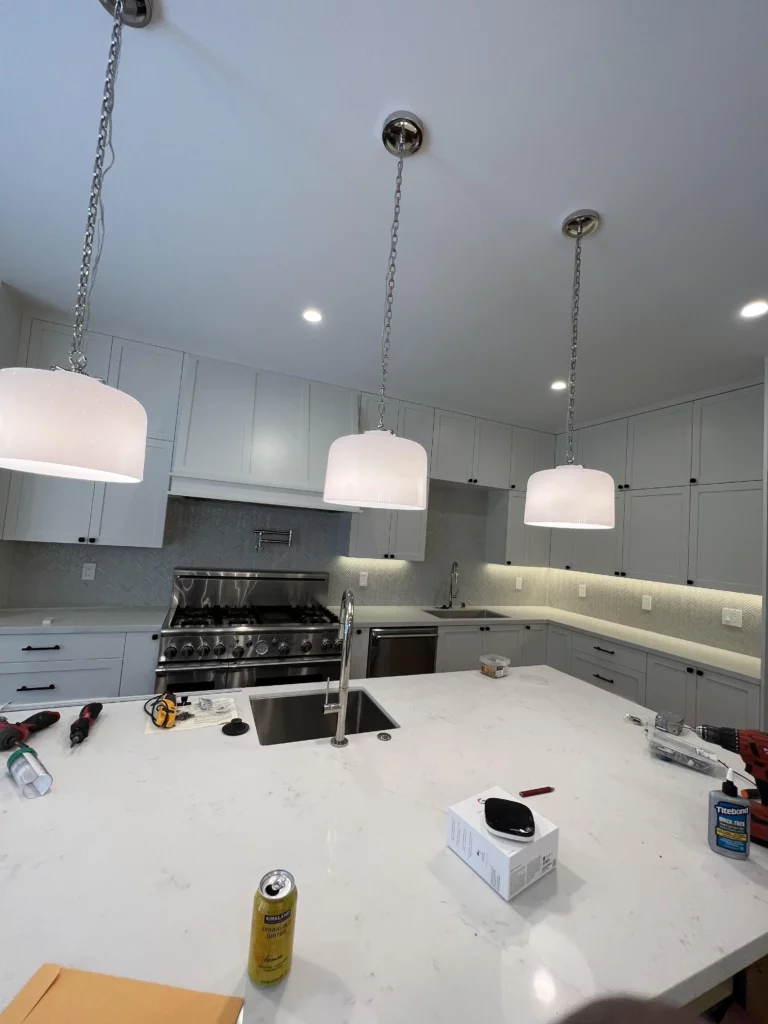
235	728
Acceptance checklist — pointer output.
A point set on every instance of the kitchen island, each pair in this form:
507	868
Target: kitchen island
144	858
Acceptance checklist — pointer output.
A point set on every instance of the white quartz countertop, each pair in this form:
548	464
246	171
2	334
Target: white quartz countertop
144	857
698	654
81	620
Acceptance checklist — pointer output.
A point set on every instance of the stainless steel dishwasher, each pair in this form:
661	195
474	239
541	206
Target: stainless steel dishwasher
407	651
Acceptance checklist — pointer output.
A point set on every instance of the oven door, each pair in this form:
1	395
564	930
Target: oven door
231	675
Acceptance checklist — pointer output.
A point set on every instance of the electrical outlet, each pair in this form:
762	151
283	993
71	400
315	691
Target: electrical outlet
363	579
732	617
518	582
89	571
647	602
582	590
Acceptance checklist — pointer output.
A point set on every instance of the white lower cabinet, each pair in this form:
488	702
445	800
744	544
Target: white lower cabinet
534	644
621	681
725	700
559	644
656	534
139	664
53	681
459	647
508	540
671	686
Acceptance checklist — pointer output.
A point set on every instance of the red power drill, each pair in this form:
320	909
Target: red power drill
752	746
12	733
82	724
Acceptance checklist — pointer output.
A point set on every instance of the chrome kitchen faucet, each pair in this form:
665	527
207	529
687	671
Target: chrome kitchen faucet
346	618
453	584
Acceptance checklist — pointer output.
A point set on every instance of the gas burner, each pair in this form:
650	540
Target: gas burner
309	615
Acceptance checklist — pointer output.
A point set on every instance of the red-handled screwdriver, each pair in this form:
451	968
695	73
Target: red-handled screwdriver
82	724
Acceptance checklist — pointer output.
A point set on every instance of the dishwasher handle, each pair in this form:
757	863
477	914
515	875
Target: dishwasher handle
386	634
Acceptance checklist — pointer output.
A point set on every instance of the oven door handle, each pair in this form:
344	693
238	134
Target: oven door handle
241	663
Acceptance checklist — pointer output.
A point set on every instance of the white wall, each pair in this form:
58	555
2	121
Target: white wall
10	332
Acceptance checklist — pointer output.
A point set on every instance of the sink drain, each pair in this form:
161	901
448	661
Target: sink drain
384	736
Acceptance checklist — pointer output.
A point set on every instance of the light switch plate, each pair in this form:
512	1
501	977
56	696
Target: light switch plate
732	617
582	590
518	582
363	579
89	571
647	602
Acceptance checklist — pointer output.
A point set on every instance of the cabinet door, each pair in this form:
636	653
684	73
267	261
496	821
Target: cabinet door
671	686
333	412
133	515
604	447
726	537
506	641
659	447
409	529
545	451
49	346
279	442
535	644
152	375
562	545
525	545
723	700
559	642
459	648
56	681
523	457
49	508
454	447
623	682
139	664
417	423
493	450
656	534
370	531
215	420
728	437
599	551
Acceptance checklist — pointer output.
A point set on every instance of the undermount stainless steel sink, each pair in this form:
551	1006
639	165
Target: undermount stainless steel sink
300	716
464	613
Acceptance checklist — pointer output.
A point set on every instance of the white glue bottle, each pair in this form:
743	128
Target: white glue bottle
728	828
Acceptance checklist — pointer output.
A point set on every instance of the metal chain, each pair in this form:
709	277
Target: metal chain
77	357
570	458
387	328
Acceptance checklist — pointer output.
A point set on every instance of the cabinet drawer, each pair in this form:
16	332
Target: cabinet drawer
53	682
609	652
39	647
624	682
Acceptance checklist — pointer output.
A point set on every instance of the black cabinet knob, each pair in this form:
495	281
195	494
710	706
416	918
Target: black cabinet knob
527	627
689	669
509	563
623	574
91	540
699	672
693	479
81	540
621	487
689	582
567	567
626	487
513	486
154	636
616	572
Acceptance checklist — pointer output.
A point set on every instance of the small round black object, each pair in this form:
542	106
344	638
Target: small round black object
383	736
235	728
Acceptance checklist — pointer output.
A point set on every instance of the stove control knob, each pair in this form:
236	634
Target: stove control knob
283	648
337	644
326	645
261	648
237	651
187	651
306	646
203	650
170	651
219	649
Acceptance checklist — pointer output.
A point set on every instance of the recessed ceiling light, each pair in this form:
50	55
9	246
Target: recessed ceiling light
558	385
752	309
312	316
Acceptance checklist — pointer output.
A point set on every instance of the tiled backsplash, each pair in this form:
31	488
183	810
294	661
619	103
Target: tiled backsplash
220	535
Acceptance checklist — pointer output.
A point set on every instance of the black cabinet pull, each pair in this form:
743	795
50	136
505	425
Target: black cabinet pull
603	649
23	689
154	636
622	574
469	481
91	540
567	567
699	672
621	487
693	479
689	669
689	582
358	631
527	627
56	647
509	563
604	678
615	572
626	487
81	540
513	486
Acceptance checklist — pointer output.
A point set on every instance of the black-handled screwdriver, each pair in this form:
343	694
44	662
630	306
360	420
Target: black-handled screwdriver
82	724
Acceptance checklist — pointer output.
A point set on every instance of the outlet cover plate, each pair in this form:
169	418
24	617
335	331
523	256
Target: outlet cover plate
518	582
363	579
89	571
732	617
647	602
582	590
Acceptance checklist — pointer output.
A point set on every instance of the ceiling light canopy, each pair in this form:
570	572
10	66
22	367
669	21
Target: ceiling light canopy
377	469
312	316
559	385
61	422
571	496
759	307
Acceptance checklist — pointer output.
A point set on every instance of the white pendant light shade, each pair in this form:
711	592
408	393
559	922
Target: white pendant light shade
60	423
570	496
376	470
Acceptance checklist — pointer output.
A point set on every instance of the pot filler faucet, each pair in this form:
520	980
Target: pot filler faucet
346	618
454	584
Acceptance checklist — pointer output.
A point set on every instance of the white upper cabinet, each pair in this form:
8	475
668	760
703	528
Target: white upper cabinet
453	450
493	446
369	534
508	540
49	508
656	534
417	423
213	438
152	375
726	537
599	551
532	450
333	412
659	447
562	547
278	450
604	447
49	346
133	515
728	437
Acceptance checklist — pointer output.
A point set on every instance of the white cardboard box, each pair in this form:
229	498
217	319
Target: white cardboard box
507	866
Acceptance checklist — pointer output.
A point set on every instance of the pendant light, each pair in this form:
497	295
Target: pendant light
61	422
376	469
570	495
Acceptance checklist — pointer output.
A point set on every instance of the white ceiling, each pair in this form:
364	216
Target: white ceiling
250	182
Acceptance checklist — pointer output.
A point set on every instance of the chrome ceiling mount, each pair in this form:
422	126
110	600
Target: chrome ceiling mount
402	134
137	13
588	219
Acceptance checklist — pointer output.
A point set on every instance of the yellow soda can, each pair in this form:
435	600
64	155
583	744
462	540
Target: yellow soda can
274	920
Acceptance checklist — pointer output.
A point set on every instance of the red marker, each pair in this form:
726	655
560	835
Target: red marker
537	792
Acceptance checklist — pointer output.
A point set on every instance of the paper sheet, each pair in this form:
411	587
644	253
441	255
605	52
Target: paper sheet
223	710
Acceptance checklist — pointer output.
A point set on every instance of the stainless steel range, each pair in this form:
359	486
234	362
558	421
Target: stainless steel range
227	628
